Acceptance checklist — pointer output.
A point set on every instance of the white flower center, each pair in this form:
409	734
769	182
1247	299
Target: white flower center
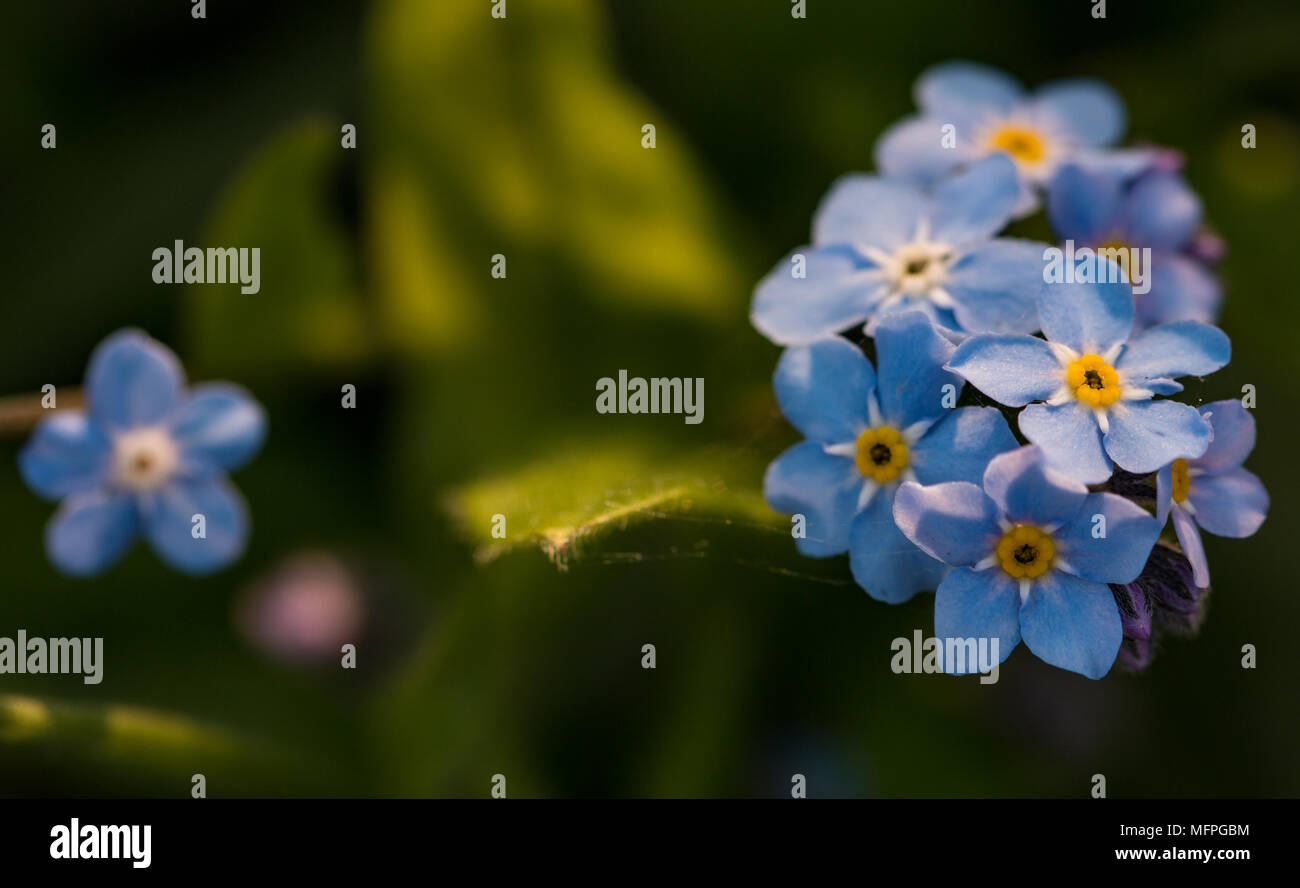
144	458
915	270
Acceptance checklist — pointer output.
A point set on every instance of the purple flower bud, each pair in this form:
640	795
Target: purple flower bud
304	611
1134	610
1164	598
1168	579
1135	654
1206	246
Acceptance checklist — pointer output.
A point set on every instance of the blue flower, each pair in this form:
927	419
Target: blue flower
146	458
867	434
882	246
1097	382
1096	208
969	111
1033	553
1214	491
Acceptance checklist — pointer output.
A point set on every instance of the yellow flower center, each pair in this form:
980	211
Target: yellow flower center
1026	552
1117	251
882	455
1182	480
1023	144
1093	381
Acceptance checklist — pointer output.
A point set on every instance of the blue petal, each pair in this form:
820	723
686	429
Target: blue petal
90	532
869	211
1084	205
884	563
1231	504
1162	212
1027	491
1181	290
1145	435
1009	368
959	446
1072	623
66	455
167	516
132	381
1118	555
978	604
913	149
219	427
1234	435
1089	318
1193	547
1088	110
954	88
1183	348
1164	493
975	204
823	389
912	353
1162	386
1070	440
940	317
808	481
995	286
954	521
1126	162
833	296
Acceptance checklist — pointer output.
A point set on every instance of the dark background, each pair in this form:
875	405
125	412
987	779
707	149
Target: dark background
522	137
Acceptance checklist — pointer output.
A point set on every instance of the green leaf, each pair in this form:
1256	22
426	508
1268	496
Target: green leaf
118	748
307	312
581	502
534	154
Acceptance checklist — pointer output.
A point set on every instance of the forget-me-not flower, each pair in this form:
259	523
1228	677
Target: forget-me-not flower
866	434
1157	211
1093	385
883	246
1033	553
145	458
1214	491
969	111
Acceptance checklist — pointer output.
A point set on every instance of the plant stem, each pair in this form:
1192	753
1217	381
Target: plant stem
20	413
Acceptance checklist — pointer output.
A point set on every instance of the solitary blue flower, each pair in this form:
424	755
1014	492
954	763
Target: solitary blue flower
146	458
1033	553
969	111
882	246
866	435
1098	384
1097	209
1214	491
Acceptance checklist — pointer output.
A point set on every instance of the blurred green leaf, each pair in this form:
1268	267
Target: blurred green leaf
536	154
116	747
307	312
578	498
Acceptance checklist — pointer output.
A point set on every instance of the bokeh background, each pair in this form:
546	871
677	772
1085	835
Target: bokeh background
522	656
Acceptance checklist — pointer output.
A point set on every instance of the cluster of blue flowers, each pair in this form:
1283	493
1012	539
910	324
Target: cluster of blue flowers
1050	531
